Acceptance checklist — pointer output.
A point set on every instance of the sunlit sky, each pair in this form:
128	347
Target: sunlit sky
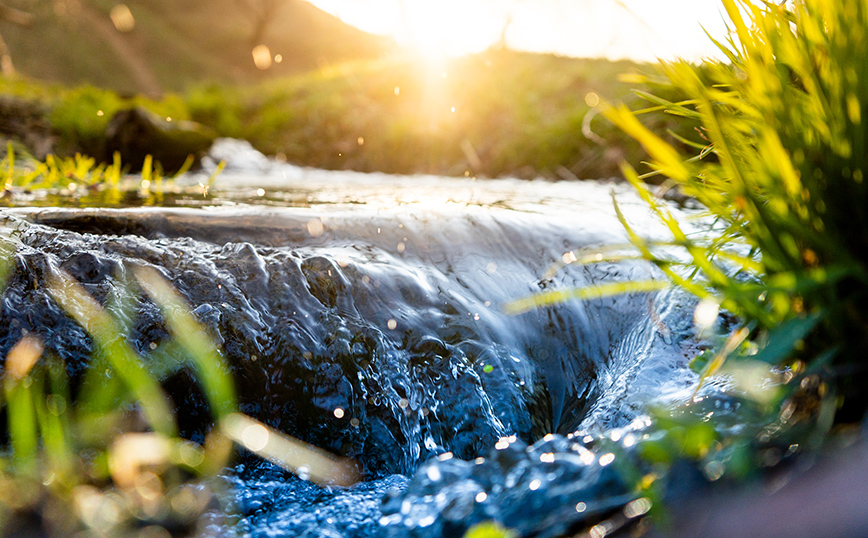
637	29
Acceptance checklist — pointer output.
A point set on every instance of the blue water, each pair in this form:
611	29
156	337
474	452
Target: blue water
382	297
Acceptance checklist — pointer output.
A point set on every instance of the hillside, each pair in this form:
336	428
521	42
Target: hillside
497	113
174	45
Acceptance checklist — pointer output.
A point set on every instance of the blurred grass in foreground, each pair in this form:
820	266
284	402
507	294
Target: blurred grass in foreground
101	454
109	462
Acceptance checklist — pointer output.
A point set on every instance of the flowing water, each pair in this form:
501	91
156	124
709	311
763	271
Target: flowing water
363	314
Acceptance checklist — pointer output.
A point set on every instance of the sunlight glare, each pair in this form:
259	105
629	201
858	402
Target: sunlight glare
447	28
611	29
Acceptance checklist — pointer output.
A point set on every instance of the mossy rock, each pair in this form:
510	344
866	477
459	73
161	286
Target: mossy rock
135	133
23	122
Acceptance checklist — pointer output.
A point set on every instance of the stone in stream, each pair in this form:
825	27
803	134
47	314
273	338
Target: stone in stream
135	133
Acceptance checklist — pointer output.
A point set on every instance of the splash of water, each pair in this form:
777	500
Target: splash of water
369	324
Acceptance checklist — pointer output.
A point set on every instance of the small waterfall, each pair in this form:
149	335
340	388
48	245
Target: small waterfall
369	323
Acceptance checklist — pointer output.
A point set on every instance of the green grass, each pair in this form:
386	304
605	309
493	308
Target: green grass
515	114
779	163
493	114
784	118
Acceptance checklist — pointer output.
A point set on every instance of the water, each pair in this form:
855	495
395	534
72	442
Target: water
363	314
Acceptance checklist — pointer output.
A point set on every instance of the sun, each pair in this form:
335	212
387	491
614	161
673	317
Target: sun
432	29
448	27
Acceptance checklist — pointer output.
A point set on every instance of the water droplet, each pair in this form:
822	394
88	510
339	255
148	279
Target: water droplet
401	248
433	474
354	422
598	531
392	324
260	192
581	507
481	496
606	459
122	18
403	403
637	508
339	413
706	314
303	472
254	437
713	470
535	484
261	57
315	227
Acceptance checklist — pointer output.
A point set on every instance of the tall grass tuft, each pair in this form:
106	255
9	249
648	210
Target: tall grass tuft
108	461
780	165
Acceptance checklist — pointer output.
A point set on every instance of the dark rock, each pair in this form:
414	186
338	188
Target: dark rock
136	133
24	122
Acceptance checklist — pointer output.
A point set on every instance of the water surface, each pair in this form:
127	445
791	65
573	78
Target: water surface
363	313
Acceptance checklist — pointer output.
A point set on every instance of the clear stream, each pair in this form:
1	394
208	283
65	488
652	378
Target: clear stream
362	313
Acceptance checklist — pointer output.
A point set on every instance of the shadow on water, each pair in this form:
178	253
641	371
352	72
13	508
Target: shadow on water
369	324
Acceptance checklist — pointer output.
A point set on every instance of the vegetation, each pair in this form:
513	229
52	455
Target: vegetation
81	181
162	45
778	164
493	114
108	459
784	117
98	451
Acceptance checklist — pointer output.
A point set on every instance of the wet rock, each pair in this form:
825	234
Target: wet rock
136	133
